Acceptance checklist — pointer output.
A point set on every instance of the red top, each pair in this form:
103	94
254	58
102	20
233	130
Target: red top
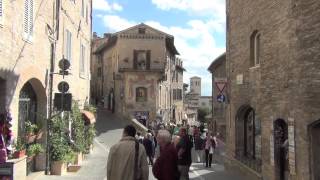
166	166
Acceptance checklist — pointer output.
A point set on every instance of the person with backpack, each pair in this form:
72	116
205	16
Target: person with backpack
166	165
127	159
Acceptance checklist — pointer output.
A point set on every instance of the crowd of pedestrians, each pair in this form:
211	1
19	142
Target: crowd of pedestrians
170	155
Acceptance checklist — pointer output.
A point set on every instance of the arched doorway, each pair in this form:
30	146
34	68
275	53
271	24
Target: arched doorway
314	134
281	148
248	137
32	107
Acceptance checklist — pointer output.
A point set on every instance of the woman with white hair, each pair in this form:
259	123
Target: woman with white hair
166	166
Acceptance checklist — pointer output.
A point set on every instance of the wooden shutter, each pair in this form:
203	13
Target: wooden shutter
30	17
135	63
148	59
26	17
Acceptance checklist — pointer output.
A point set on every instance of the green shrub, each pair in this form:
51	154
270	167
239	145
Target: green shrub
30	128
90	134
34	149
19	145
78	129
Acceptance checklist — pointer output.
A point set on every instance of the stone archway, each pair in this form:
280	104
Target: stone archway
314	134
248	137
280	148
32	107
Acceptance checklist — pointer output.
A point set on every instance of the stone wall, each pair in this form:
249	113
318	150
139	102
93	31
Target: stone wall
286	83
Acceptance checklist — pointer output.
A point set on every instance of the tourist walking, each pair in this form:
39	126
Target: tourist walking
184	154
209	149
127	159
198	147
147	143
166	165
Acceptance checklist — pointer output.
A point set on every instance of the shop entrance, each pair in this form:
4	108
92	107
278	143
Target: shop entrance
281	149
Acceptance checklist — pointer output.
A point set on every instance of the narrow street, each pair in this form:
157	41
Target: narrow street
109	131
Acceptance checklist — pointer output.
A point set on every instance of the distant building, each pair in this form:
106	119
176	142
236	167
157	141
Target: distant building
193	101
134	70
218	70
195	85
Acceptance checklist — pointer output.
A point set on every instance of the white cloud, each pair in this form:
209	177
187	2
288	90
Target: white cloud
215	8
104	5
195	43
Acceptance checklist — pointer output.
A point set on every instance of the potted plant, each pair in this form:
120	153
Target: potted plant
20	149
39	130
33	150
78	133
60	149
30	130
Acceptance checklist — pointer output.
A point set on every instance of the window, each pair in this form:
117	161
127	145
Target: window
87	15
141	59
82	8
82	59
68	45
141	94
142	30
99	73
1	12
255	49
28	20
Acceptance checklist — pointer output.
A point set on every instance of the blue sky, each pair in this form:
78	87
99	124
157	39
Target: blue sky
197	25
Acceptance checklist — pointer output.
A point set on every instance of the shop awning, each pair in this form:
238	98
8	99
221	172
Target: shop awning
88	117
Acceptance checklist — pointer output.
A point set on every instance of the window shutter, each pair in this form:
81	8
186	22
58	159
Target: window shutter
30	17
26	17
70	46
135	55
148	59
82	8
1	14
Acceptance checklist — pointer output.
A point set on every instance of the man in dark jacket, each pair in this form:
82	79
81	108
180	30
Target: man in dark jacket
166	166
148	146
184	154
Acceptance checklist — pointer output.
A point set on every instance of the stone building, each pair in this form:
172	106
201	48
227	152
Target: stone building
273	67
219	105
134	63
32	34
191	104
171	92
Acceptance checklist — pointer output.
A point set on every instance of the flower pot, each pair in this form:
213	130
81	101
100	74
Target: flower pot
78	159
58	168
30	138
19	154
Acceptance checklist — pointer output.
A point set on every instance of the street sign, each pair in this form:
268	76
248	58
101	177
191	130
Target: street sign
221	98
63	87
63	101
220	83
64	64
